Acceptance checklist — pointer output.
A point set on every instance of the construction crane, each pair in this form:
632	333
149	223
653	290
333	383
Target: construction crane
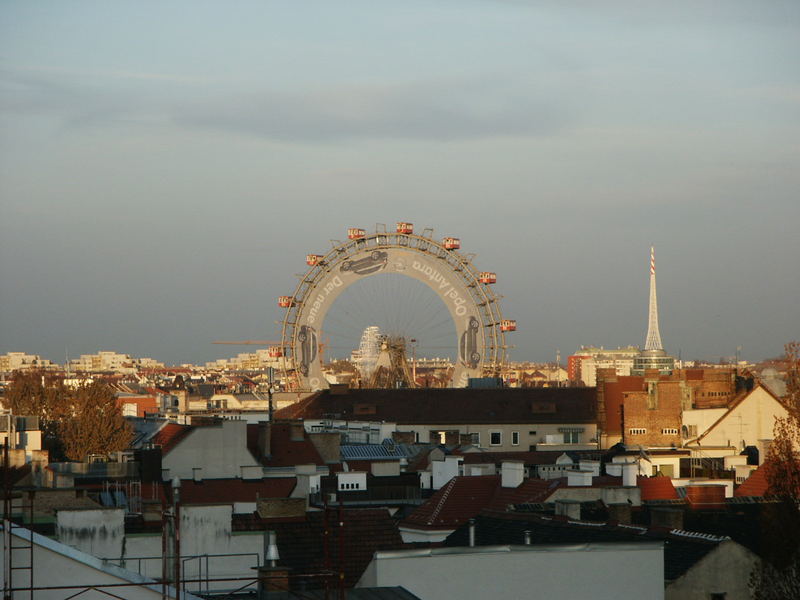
249	342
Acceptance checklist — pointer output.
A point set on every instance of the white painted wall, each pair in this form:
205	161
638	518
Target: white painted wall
526	438
444	470
205	532
57	564
352	481
98	532
220	451
752	420
577	572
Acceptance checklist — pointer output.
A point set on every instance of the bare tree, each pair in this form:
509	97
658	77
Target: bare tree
95	425
39	394
778	575
74	422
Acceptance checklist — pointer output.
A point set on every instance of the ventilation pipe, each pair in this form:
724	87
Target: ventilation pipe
271	554
472	533
527	533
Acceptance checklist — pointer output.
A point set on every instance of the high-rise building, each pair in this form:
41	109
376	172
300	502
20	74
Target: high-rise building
653	356
583	366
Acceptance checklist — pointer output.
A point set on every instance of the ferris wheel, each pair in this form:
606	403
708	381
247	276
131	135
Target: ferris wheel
462	292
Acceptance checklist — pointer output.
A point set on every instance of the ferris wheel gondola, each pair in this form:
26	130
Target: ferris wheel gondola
464	292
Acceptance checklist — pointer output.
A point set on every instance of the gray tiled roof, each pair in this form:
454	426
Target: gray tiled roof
376	451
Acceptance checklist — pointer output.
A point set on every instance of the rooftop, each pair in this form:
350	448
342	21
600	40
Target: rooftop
451	405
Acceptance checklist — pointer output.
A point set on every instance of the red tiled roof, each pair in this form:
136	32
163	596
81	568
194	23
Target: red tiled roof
706	496
457	501
755	485
170	435
530	490
656	488
235	490
302	544
285	452
452	405
223	491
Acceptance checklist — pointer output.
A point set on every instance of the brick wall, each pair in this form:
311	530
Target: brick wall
653	416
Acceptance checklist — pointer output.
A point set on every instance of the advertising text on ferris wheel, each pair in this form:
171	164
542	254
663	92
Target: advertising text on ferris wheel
445	288
319	300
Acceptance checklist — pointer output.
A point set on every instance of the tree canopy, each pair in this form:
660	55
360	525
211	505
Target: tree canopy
75	422
778	576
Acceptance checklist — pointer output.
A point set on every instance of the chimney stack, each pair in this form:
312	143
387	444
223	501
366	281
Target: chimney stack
265	439
629	472
512	473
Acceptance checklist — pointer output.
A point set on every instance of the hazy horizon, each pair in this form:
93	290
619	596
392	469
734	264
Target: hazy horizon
166	167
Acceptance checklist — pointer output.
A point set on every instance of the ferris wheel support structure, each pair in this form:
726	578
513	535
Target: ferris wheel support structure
465	292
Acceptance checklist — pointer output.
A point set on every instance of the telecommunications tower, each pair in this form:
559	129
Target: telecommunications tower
653	356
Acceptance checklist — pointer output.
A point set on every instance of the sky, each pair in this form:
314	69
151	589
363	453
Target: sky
166	166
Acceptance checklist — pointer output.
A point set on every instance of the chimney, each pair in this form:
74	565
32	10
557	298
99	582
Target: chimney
512	473
296	431
579	478
590	465
629	472
265	439
271	554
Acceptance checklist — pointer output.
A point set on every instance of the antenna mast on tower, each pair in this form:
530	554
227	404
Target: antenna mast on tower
653	341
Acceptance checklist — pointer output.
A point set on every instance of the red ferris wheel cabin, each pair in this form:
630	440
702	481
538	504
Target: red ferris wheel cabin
275	351
313	259
354	233
285	301
407	228
487	277
451	243
508	325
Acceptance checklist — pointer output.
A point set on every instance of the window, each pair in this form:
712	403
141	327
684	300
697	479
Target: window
572	435
515	438
637	431
669	431
475	439
495	438
129	409
531	433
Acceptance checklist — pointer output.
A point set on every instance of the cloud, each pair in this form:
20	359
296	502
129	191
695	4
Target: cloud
416	110
437	111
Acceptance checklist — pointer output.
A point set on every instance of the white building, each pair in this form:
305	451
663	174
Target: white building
591	359
76	572
607	571
19	361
